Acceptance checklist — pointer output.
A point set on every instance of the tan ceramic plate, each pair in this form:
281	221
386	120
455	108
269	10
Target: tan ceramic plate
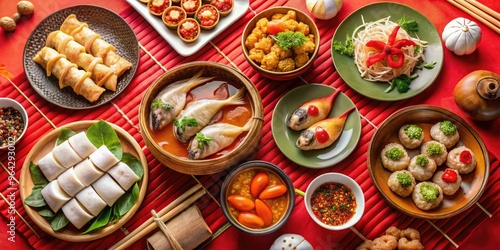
45	145
473	184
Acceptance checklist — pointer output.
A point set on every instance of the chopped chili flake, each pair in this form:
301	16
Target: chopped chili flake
333	203
11	124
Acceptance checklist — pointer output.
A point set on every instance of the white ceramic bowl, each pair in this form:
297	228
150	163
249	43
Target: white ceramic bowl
339	178
7	102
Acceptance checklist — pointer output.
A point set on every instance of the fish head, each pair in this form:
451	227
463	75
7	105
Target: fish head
194	152
298	118
306	138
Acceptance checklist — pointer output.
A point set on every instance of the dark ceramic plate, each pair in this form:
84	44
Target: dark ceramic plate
112	28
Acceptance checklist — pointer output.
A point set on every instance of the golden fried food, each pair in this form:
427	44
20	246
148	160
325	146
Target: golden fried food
367	245
410	233
385	242
394	238
394	231
410	240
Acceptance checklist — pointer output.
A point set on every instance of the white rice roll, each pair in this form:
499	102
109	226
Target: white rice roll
70	183
89	198
76	213
65	155
50	167
108	189
82	145
54	196
87	173
124	175
103	158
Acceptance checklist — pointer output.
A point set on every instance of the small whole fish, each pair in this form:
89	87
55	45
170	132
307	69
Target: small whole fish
213	138
312	111
203	111
171	100
323	133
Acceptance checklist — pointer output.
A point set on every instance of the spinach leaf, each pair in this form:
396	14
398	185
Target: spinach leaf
127	201
100	221
133	163
101	133
38	178
35	199
64	135
46	213
59	221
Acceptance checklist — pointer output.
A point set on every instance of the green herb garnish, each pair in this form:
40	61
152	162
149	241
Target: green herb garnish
408	25
344	49
202	140
421	160
429	192
447	127
158	103
430	65
190	122
402	83
394	153
404	179
413	131
289	39
434	149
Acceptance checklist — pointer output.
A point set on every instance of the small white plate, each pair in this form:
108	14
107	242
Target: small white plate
187	49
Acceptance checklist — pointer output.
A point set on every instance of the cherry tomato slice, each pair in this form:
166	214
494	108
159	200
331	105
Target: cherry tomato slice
466	157
449	176
264	212
274	27
312	110
250	220
259	182
241	202
273	191
321	135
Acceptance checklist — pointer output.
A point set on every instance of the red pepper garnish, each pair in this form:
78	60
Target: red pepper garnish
321	135
391	51
465	157
449	176
312	110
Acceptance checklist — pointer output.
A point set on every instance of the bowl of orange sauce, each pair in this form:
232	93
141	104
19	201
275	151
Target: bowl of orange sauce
246	117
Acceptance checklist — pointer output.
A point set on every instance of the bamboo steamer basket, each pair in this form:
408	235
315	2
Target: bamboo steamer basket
242	151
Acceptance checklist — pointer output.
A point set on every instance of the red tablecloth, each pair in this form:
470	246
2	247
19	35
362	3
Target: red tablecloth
472	229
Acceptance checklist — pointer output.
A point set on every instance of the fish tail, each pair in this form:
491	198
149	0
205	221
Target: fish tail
247	125
346	113
237	99
196	80
332	96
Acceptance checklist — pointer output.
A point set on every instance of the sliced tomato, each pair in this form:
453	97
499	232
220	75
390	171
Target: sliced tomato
274	27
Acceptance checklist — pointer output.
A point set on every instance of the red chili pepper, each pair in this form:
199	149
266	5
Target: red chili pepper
391	51
312	110
449	176
466	157
321	135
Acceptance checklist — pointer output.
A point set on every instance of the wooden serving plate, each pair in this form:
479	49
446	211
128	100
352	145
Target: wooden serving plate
44	146
473	184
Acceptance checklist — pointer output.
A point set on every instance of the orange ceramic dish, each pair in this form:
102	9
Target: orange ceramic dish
224	6
156	7
190	6
188	30
172	16
208	16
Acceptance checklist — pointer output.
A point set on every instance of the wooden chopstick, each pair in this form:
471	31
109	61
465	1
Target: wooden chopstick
477	13
166	213
485	8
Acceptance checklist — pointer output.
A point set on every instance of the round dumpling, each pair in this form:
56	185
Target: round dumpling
394	157
434	150
449	180
411	135
422	167
461	159
445	132
427	195
401	182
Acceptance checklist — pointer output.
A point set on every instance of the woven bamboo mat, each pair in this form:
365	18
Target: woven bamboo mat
157	56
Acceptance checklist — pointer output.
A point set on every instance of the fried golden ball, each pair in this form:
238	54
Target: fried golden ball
270	61
286	65
256	55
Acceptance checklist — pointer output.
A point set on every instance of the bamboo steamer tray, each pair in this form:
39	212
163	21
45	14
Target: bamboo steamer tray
44	146
242	151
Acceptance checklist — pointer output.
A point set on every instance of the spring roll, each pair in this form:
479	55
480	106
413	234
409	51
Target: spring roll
50	167
68	74
54	196
76	213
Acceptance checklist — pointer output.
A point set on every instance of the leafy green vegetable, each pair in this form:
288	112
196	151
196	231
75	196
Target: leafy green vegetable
430	65
394	153
202	140
402	83
39	179
133	163
35	199
101	133
64	135
289	39
59	221
126	201
344	49
46	213
404	179
158	103
190	122
101	220
408	25
429	192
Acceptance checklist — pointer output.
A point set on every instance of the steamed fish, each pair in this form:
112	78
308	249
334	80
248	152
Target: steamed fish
323	133
171	100
202	111
311	112
213	138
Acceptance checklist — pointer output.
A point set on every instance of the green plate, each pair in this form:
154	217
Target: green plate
375	90
285	137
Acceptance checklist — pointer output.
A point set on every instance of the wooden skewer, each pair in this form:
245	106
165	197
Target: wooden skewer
166	213
476	13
